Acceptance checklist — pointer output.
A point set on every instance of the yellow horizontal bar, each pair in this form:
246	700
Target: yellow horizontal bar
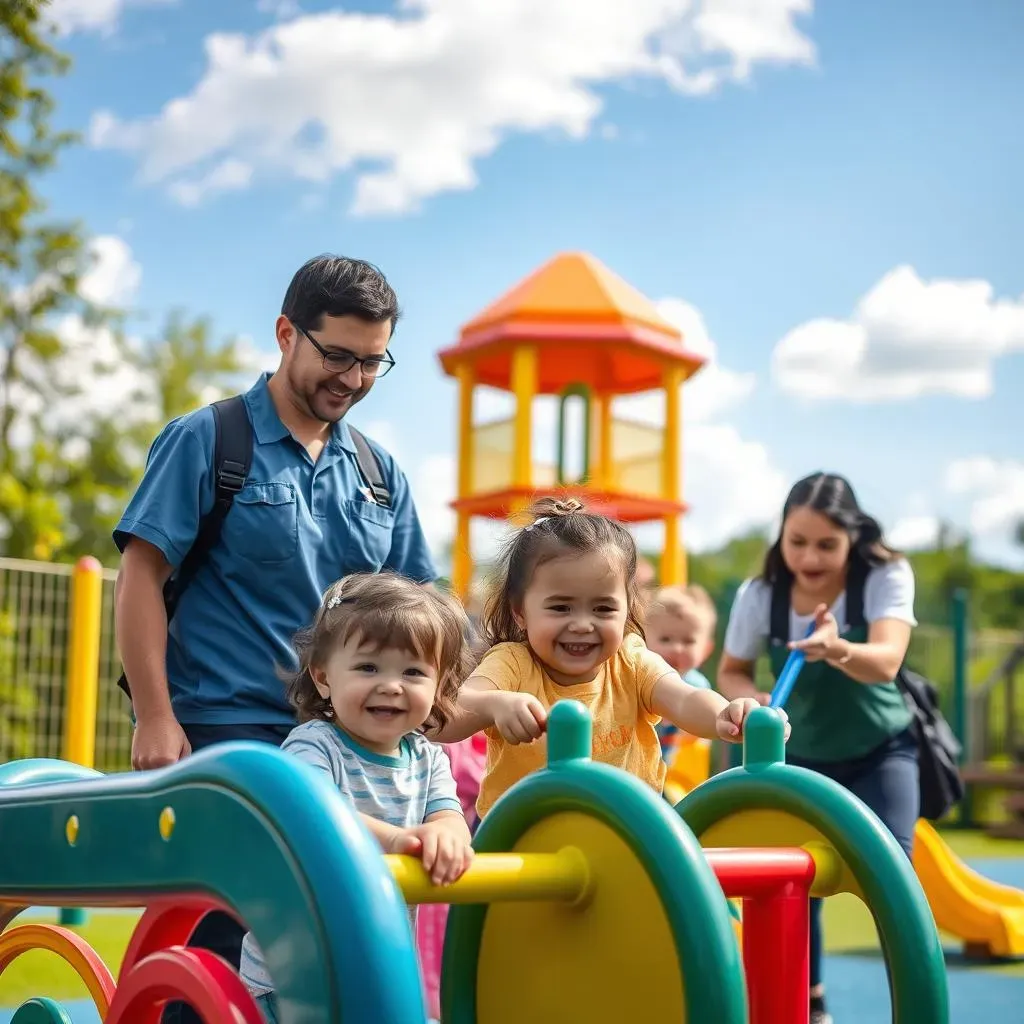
494	877
828	870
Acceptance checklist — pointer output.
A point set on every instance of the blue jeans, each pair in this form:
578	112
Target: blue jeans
886	780
268	1007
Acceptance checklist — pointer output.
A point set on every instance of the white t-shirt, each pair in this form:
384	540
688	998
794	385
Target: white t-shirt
888	594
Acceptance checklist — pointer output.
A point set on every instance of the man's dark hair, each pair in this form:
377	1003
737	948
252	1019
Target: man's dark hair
339	286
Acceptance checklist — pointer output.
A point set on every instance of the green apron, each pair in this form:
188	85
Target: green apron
835	718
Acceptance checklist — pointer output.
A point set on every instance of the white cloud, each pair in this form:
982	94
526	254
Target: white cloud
732	483
410	102
907	338
256	360
713	392
92	376
280	9
995	490
100	16
113	276
227	176
914	533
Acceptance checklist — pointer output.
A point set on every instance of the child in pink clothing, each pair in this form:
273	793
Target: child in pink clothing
467	758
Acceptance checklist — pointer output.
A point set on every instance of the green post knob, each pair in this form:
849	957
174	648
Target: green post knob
763	738
569	732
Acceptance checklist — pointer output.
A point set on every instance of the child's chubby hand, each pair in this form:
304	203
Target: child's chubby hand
733	717
520	718
445	848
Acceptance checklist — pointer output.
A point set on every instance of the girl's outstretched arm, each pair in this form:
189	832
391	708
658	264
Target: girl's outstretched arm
688	707
474	712
736	679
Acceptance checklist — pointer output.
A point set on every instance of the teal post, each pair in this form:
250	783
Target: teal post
883	872
961	641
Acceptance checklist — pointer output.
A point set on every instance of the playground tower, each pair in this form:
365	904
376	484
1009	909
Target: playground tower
574	330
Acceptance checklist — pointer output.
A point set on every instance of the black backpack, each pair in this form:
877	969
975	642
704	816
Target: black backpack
941	786
232	458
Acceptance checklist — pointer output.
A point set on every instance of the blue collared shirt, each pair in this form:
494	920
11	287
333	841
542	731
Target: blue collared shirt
295	528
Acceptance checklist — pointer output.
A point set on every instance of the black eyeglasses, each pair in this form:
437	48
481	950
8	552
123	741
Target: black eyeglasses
339	361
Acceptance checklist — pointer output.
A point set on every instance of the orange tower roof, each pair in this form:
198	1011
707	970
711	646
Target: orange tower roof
590	326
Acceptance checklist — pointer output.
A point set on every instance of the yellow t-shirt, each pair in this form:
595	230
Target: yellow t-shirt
619	702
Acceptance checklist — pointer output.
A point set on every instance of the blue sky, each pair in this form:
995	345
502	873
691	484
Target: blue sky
768	165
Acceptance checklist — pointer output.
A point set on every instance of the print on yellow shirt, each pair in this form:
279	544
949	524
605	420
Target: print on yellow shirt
619	702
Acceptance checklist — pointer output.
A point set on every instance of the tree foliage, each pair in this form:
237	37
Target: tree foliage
71	444
41	262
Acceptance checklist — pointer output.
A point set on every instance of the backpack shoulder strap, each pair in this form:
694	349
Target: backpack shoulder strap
369	466
232	458
778	628
856	577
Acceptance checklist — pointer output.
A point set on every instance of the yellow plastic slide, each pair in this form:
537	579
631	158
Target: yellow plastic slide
985	915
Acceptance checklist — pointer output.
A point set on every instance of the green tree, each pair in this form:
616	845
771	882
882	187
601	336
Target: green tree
41	264
176	372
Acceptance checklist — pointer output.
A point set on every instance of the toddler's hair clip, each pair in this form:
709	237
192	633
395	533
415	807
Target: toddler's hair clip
537	522
334	602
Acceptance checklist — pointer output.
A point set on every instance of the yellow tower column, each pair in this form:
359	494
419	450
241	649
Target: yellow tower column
524	387
673	560
462	555
602	429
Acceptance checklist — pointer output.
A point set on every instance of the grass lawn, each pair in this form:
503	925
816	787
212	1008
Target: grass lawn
848	927
39	973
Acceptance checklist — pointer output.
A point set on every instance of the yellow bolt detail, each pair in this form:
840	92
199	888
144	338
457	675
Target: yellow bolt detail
167	822
71	830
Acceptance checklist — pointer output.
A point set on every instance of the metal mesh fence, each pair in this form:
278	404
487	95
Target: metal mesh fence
34	634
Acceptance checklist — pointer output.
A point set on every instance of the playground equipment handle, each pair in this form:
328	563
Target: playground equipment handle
787	677
498	876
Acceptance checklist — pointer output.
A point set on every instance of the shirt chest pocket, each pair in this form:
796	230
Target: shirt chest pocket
263	525
370	531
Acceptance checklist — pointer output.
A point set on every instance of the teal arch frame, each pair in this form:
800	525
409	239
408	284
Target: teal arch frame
698	914
573	391
892	891
257	830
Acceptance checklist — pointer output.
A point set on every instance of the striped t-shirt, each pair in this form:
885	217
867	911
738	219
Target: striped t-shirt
402	791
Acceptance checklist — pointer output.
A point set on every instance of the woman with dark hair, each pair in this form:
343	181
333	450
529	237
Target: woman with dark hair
830	566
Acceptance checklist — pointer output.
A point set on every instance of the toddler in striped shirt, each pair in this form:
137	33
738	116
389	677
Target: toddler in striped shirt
382	660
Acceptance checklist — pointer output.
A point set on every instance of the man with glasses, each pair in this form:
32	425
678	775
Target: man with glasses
304	517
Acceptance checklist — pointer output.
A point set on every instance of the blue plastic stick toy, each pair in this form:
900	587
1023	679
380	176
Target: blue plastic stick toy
787	677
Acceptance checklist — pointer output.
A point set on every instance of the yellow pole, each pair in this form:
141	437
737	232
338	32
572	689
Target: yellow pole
600	467
499	876
604	443
83	662
524	387
462	556
83	677
672	559
466	378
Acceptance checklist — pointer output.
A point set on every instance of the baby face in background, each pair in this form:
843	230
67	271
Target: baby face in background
680	629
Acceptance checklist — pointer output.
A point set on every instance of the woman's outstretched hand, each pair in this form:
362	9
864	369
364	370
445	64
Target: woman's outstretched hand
823	643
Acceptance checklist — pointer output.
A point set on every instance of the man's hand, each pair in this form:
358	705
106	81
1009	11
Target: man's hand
158	742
